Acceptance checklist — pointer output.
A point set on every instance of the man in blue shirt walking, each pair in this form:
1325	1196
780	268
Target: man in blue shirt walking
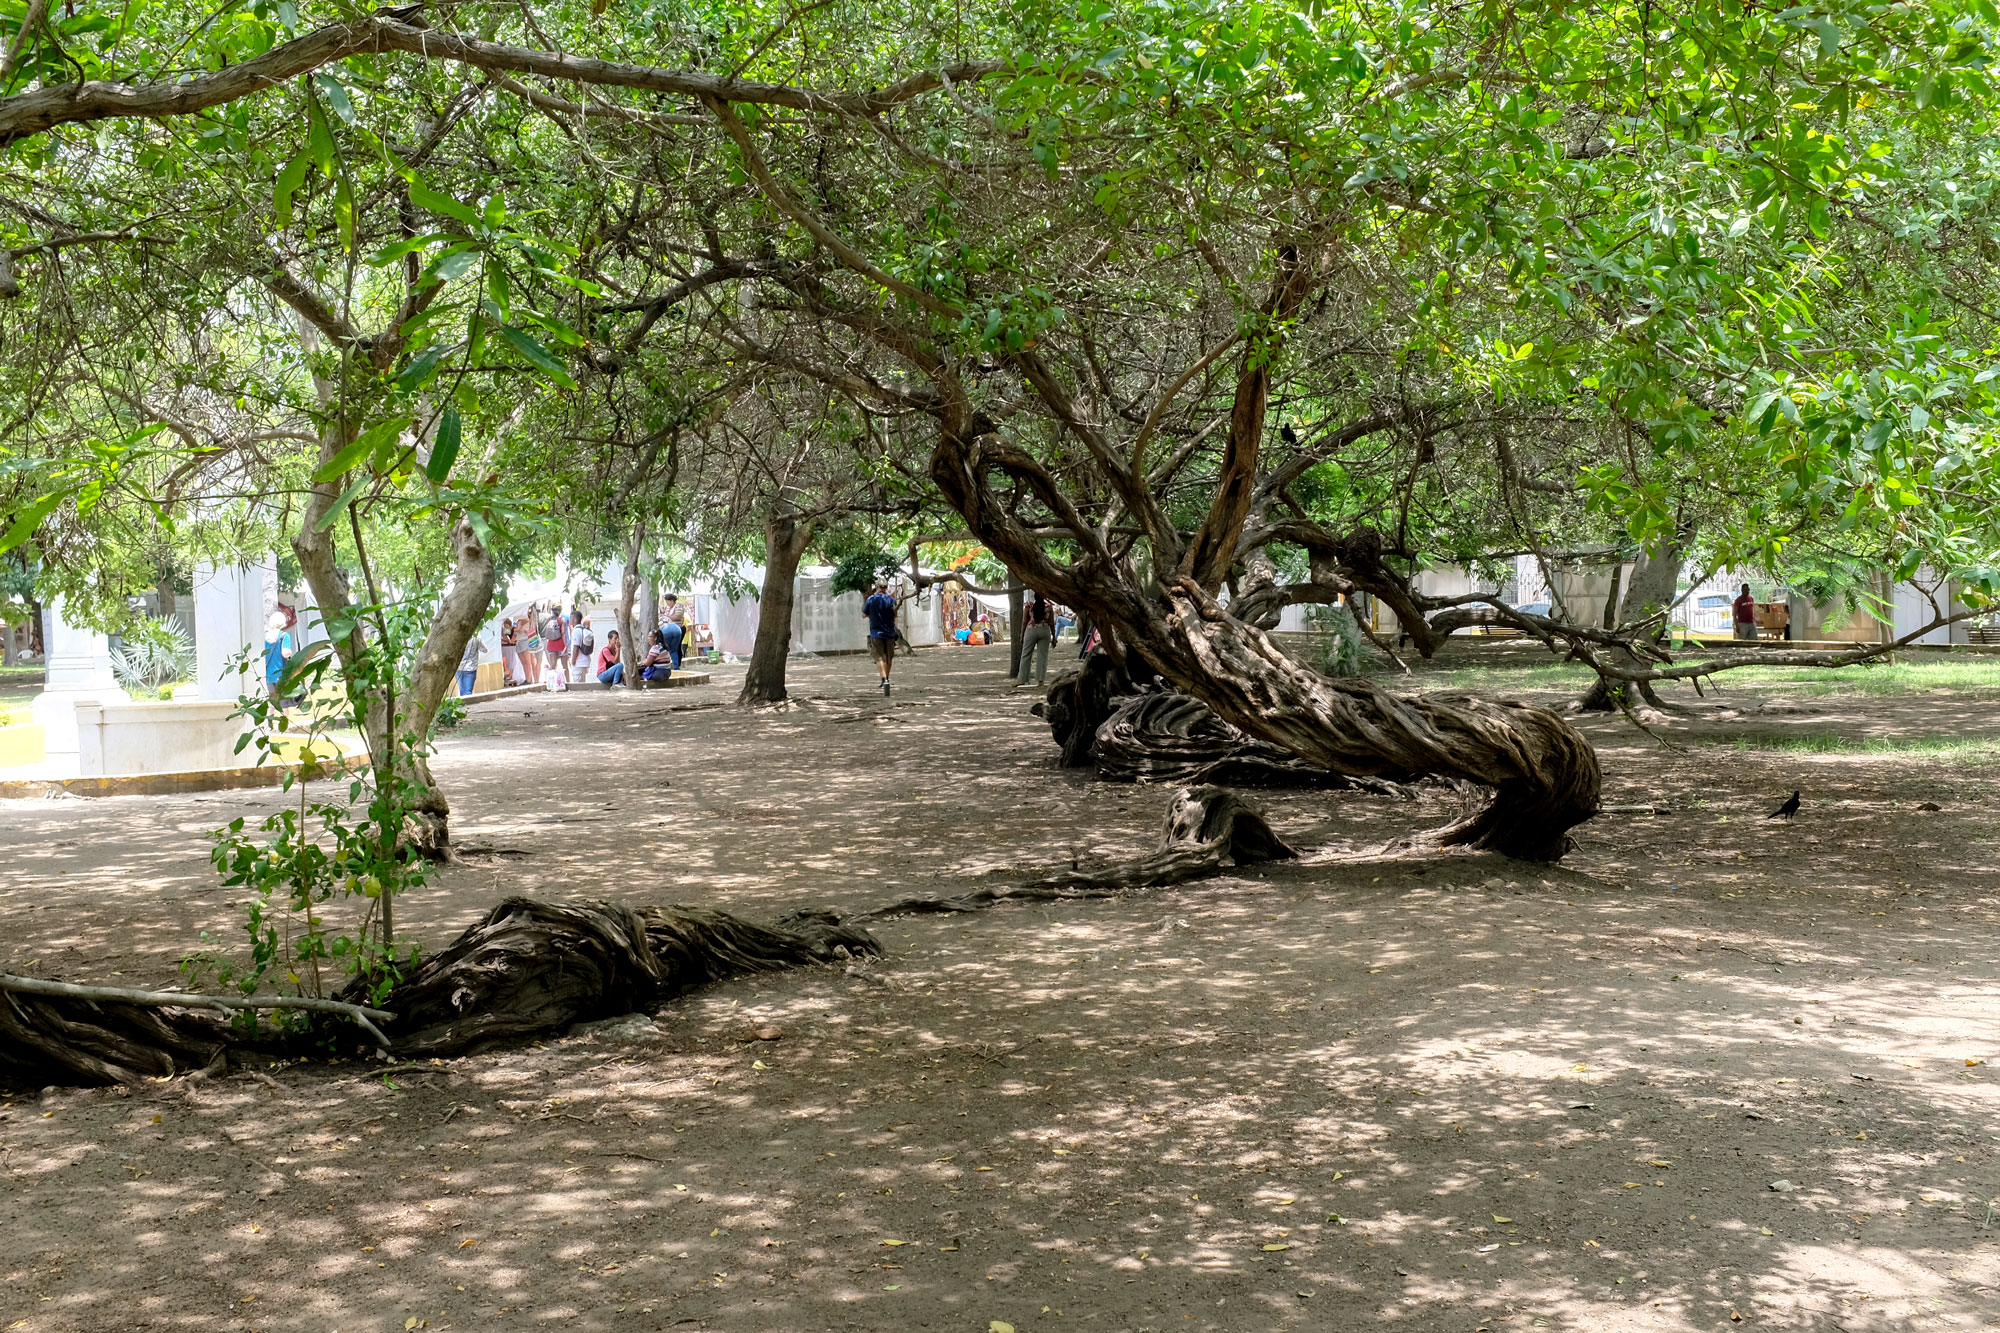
880	608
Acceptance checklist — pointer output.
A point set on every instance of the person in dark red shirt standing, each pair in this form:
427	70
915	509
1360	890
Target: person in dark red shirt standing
1746	614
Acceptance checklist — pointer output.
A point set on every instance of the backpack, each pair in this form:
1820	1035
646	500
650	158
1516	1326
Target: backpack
552	633
585	640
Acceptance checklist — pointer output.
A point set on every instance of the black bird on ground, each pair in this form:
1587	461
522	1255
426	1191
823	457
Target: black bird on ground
1787	810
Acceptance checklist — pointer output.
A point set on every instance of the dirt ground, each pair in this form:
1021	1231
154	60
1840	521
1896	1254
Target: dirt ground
1711	1072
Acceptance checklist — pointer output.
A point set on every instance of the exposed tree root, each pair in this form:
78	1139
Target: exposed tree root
48	1039
533	967
1208	829
1079	703
527	969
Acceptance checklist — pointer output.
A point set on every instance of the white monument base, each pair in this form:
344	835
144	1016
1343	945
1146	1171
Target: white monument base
79	672
170	737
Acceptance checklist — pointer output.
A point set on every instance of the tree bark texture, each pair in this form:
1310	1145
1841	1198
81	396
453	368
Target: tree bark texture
460	613
437	662
785	542
628	593
48	1040
534	967
1163	736
528	969
1079	702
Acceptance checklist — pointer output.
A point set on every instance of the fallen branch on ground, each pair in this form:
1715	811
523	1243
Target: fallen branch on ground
1208	830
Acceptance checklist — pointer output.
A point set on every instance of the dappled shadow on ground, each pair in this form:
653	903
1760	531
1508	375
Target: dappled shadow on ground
1354	1093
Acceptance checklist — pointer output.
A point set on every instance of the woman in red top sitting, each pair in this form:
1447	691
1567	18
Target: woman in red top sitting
610	671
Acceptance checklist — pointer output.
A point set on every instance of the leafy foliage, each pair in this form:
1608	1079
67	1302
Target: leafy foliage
859	569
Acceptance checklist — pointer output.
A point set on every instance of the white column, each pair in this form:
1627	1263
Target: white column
79	671
231	604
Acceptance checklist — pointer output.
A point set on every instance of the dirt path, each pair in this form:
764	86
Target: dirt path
1354	1093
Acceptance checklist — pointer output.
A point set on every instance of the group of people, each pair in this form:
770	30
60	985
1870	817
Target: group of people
542	646
548	646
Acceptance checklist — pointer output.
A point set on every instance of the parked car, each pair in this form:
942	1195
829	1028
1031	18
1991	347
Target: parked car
1534	609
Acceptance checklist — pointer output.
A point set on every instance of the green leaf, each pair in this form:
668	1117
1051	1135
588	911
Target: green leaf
455	264
301	663
362	445
347	497
31	518
389	254
343	210
424	197
319	141
335	95
289	181
444	449
419	371
525	344
498	289
556	329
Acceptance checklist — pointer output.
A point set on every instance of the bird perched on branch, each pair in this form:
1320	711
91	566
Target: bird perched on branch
1787	810
1289	435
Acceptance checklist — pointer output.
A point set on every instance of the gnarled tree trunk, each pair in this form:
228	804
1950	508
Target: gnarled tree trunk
785	542
628	593
1655	580
1079	702
1163	736
1543	774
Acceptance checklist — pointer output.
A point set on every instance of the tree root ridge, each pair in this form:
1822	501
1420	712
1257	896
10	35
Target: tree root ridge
534	967
1079	703
48	1039
1208	829
527	969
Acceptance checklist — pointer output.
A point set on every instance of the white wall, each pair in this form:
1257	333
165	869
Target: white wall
231	605
823	623
168	737
922	617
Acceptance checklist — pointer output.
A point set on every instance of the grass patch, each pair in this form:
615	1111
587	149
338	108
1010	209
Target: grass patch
1521	671
1494	679
1956	749
1922	675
